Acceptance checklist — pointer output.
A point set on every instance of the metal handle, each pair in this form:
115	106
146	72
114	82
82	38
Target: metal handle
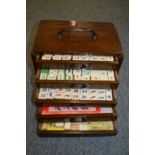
61	33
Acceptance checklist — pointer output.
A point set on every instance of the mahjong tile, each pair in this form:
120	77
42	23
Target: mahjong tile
43	90
67	125
50	94
101	58
57	57
75	94
95	75
84	96
92	94
52	74
111	76
110	58
85	74
44	74
58	95
69	76
43	93
46	57
83	57
103	75
108	94
76	57
66	57
93	58
61	74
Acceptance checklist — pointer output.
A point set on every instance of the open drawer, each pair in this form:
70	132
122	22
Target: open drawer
46	61
83	110
49	96
66	127
47	82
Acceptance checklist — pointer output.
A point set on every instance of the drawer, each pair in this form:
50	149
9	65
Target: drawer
58	101
43	63
47	83
76	127
70	110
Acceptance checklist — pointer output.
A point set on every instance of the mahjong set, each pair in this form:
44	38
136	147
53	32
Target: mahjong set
76	74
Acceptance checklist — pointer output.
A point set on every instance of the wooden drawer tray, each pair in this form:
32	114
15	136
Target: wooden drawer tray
67	111
95	127
48	63
40	102
48	83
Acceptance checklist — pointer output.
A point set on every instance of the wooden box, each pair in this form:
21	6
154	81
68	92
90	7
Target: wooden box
95	48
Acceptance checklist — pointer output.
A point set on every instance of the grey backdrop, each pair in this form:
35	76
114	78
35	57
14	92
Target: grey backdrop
115	11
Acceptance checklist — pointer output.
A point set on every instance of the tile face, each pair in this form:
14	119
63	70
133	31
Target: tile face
50	94
111	76
83	57
108	94
85	74
57	57
110	58
84	94
95	75
92	94
101	94
67	125
77	74
61	74
103	75
66	57
67	94
57	126
43	93
52	74
76	94
76	57
44	74
46	56
69	72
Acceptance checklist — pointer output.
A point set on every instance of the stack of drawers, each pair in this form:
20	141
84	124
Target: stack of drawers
76	66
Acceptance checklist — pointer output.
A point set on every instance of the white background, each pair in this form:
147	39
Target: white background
142	77
13	77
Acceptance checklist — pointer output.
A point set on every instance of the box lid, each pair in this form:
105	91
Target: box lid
65	36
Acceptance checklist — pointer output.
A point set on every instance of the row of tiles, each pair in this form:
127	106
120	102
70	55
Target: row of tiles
77	57
75	94
67	125
76	74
